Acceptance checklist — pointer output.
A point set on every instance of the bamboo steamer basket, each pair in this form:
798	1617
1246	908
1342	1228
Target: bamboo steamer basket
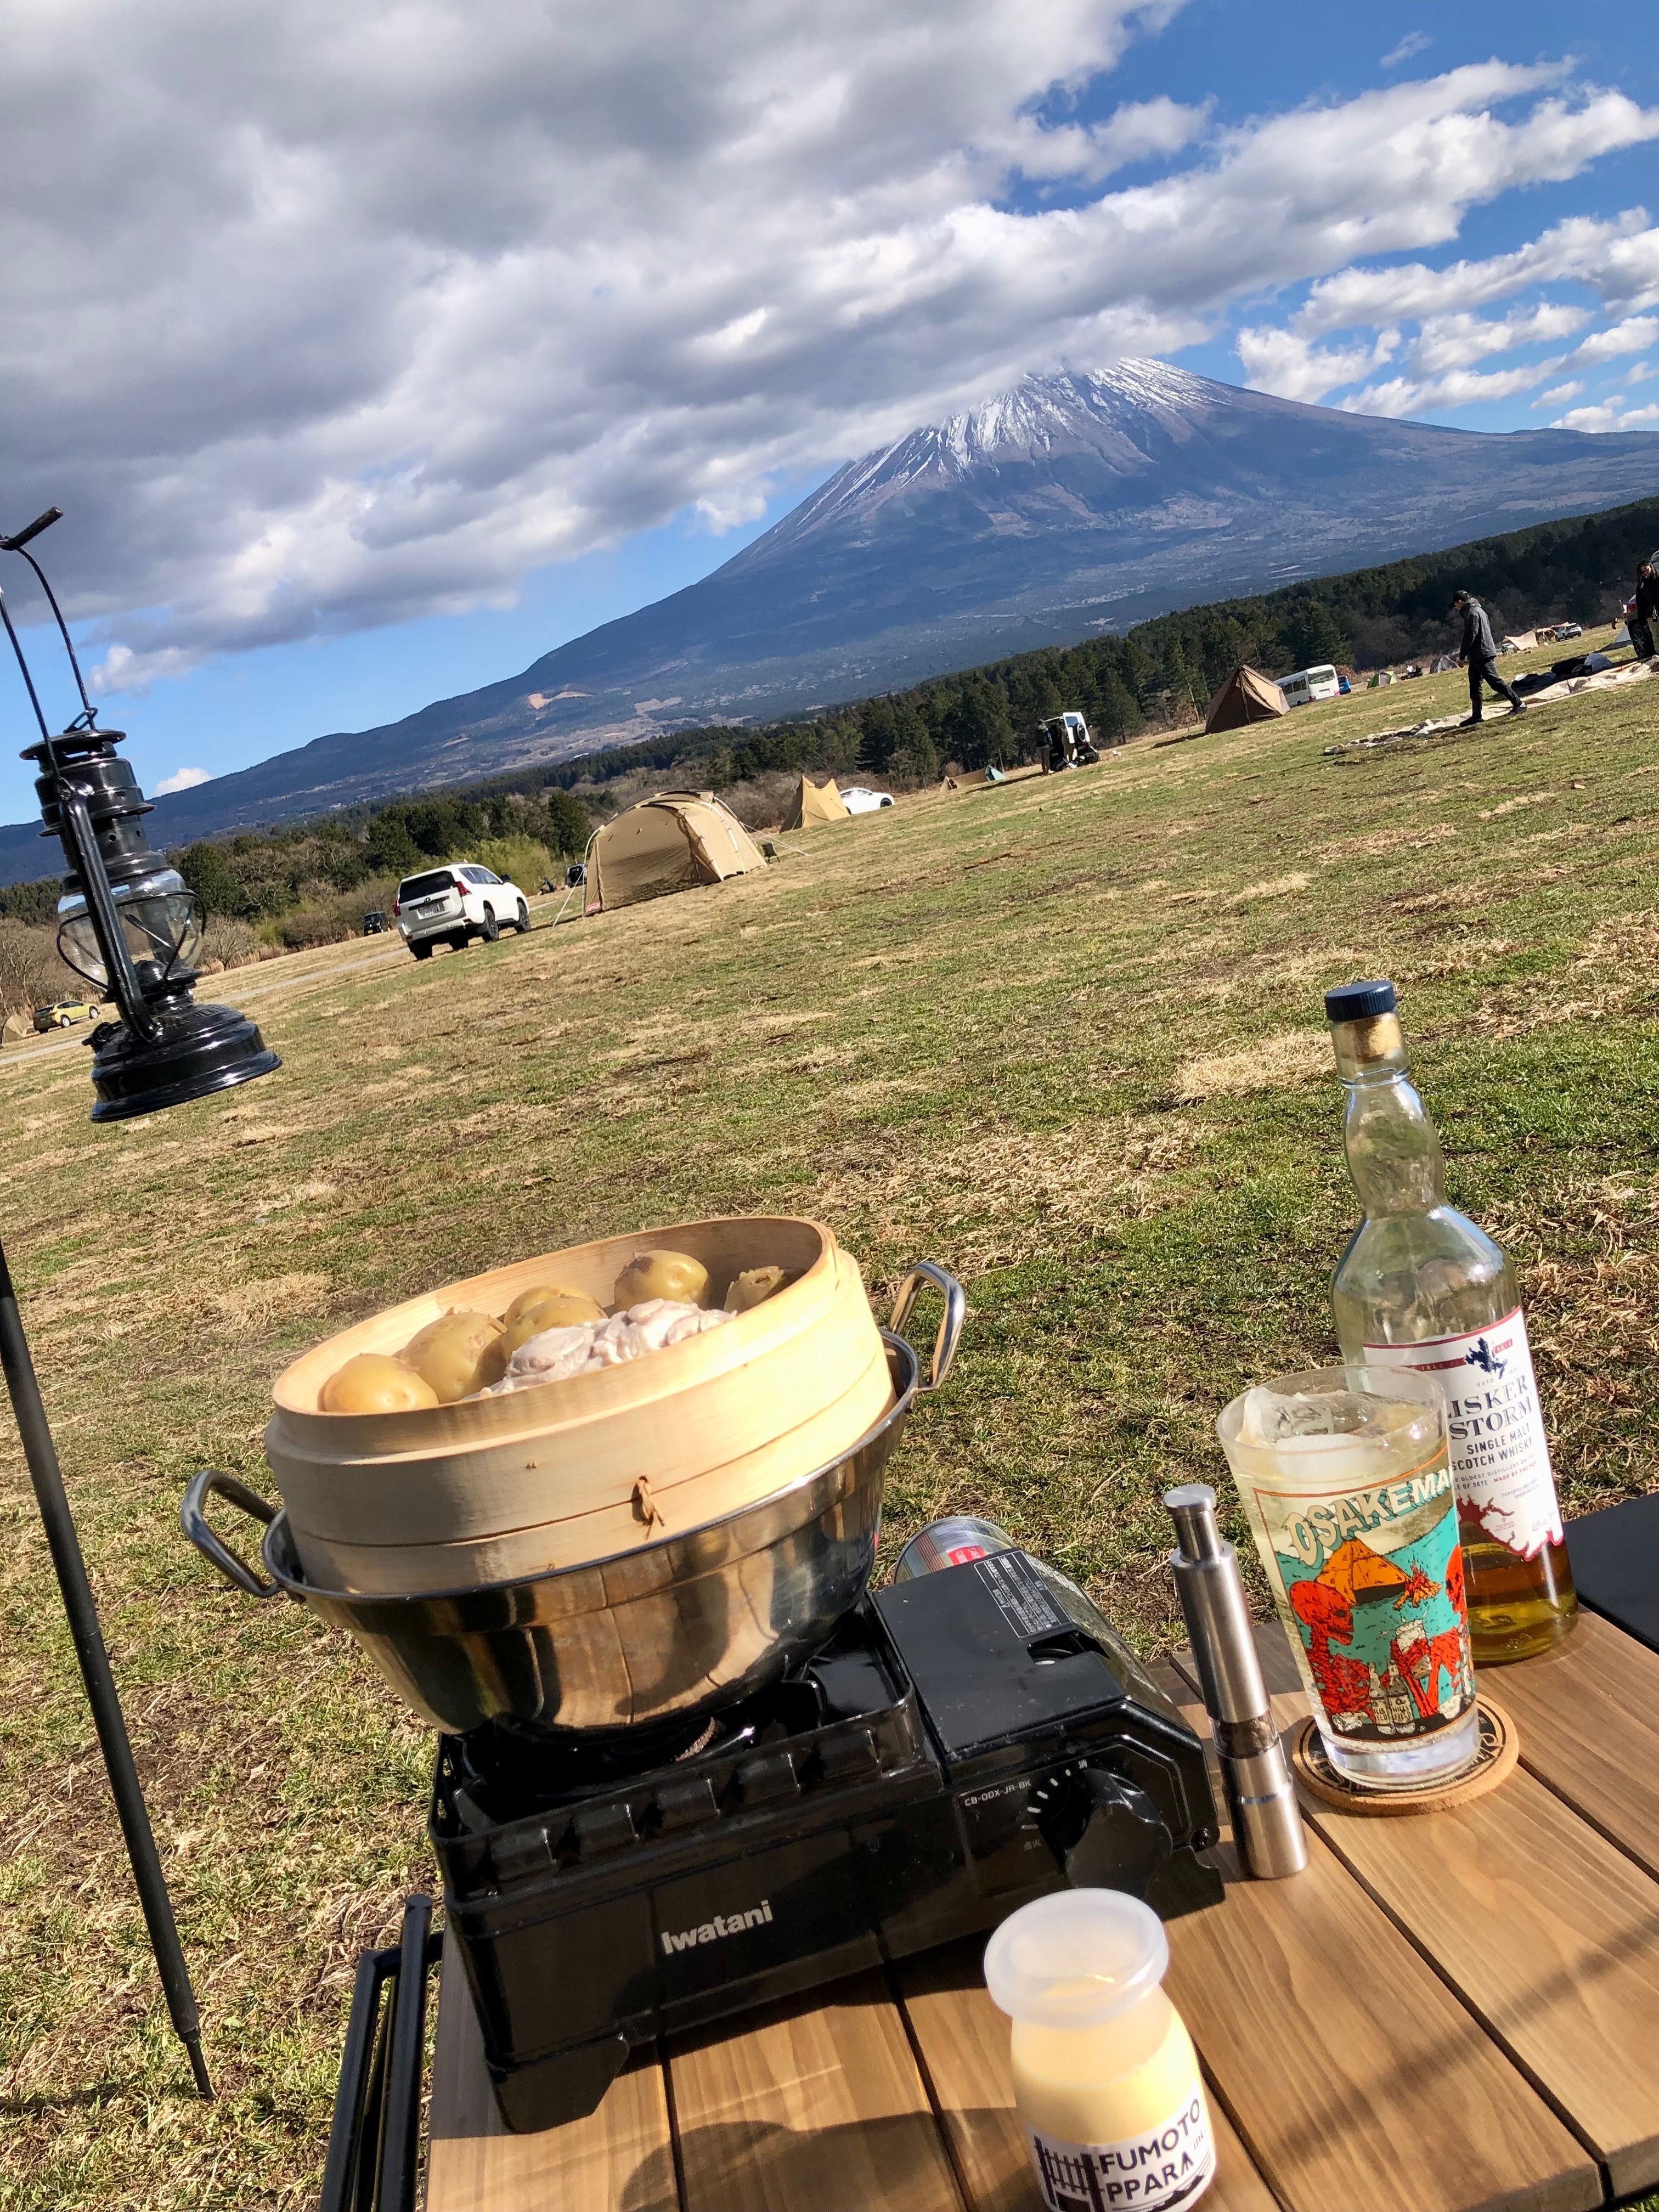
577	1470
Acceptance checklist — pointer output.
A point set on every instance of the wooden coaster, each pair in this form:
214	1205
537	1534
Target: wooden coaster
1500	1747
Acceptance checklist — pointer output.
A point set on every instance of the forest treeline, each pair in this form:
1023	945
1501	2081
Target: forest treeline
306	883
1165	670
312	882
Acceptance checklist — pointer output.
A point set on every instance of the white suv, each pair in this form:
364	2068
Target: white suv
451	906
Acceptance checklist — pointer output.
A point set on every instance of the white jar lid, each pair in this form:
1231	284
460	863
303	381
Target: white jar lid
1076	1958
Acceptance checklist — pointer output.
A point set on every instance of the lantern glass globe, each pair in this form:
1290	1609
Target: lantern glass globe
160	919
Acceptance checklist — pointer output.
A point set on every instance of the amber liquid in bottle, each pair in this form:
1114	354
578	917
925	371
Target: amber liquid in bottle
1420	1286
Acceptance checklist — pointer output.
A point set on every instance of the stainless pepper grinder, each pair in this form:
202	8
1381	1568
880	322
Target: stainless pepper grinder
1254	1771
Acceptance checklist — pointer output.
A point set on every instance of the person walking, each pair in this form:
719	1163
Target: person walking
1647	612
1479	653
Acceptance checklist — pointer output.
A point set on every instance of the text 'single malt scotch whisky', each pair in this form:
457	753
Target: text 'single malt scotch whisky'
1420	1286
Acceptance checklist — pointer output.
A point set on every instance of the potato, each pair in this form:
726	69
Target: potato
753	1287
457	1354
581	1307
550	1309
374	1384
674	1275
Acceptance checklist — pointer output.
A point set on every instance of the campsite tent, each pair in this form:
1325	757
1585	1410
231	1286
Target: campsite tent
816	803
670	843
977	779
1244	698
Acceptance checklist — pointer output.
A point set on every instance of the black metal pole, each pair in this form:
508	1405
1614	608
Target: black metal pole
341	2189
406	2050
44	1471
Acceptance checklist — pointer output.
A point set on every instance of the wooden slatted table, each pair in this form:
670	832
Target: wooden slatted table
1442	2012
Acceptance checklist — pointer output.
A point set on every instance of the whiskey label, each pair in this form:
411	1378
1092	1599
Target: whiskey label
1371	1582
1500	1460
1168	2166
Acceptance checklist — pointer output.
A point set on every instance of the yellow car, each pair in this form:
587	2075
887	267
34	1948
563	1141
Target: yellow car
65	1014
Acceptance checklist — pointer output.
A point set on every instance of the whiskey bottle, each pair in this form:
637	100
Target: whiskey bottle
1420	1286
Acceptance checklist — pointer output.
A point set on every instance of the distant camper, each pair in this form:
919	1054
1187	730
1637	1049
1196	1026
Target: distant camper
1310	683
1067	743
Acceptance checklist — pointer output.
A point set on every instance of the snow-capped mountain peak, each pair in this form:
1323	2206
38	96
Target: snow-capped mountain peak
1118	415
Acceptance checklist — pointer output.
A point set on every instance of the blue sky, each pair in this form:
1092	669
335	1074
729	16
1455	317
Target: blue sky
372	355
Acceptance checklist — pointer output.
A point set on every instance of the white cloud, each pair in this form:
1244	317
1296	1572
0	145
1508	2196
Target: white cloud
1449	341
319	318
122	670
1641	373
1619	258
1606	417
1441	354
1558	392
182	779
1414	42
1280	362
1092	152
1459	387
1633	335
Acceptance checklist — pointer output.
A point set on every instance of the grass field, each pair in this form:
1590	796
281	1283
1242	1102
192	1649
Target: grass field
1064	1037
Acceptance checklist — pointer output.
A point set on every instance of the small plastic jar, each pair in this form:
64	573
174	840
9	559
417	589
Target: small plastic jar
1105	2074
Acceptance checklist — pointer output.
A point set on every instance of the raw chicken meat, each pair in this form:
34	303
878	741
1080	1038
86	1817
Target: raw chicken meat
648	1327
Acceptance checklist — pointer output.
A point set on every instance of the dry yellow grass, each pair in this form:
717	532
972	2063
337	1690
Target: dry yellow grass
1291	1056
959	1028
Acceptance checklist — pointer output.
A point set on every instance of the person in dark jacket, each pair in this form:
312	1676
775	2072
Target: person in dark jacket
1647	612
1479	653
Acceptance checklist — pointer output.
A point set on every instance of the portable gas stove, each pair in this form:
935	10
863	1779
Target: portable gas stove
965	1742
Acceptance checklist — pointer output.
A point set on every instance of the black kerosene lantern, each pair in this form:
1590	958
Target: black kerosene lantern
131	925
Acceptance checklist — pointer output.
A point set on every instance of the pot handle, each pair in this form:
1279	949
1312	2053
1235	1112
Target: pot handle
950	1328
192	1516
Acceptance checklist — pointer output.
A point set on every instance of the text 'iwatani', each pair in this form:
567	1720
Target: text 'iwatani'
731	1924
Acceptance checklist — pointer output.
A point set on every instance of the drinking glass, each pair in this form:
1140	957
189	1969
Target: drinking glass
1344	1480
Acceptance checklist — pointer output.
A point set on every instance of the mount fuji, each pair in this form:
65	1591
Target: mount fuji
1074	504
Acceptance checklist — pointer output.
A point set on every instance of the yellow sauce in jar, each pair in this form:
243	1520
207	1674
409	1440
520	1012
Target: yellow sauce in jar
1105	2075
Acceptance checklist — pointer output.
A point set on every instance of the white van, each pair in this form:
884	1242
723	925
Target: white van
1309	684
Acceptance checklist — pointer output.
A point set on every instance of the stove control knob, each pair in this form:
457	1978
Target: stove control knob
769	1779
686	1804
600	1828
850	1756
1107	1833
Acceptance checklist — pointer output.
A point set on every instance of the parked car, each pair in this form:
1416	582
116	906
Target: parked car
1309	684
454	905
65	1014
858	800
1568	629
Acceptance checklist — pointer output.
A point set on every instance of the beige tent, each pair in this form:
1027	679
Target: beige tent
816	803
1244	698
670	843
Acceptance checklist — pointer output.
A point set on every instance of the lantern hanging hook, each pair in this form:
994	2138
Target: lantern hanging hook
29	681
19	543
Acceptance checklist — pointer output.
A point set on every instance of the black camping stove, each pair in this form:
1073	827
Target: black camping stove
966	1741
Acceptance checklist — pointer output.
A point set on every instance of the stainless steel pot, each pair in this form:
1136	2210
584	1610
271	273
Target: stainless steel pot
677	1627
